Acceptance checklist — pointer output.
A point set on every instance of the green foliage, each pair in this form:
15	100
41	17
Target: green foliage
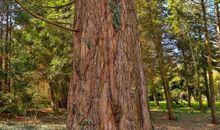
19	85
37	52
6	99
7	104
115	8
13	109
27	98
22	18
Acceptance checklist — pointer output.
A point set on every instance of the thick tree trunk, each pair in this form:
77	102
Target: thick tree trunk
209	61
108	90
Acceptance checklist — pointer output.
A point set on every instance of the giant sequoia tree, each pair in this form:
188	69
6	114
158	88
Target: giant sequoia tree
107	90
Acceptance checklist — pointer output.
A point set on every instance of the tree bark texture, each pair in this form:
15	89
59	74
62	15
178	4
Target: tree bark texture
108	89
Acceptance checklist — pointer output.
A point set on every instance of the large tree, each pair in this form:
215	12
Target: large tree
108	89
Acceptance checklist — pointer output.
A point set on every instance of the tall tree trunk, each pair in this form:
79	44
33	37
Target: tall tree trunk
108	89
6	48
163	75
1	70
217	20
199	89
207	92
197	76
209	61
63	97
189	92
155	94
186	78
155	97
54	99
63	93
1	52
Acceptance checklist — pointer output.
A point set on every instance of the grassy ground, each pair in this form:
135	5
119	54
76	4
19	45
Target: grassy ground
34	120
188	118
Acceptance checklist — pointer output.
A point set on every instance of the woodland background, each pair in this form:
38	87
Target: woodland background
180	41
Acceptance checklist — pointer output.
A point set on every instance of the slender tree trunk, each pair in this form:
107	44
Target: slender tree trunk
207	93
63	97
217	20
155	95
54	99
6	48
163	74
209	61
186	78
108	89
197	77
1	85
1	52
156	38
199	89
189	93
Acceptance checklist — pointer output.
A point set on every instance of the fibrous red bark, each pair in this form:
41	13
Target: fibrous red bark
108	90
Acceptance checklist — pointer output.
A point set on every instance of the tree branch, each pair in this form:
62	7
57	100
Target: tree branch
60	6
44	19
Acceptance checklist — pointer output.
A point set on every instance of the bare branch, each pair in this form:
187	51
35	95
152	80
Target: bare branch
44	19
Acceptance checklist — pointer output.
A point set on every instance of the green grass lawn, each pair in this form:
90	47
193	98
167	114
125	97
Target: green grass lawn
183	108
